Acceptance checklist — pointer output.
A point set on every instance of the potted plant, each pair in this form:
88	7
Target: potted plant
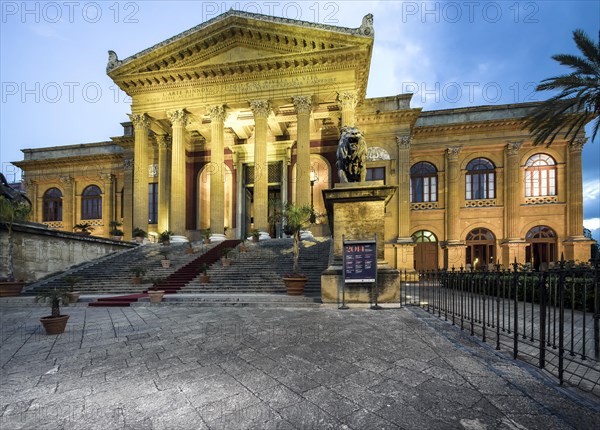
166	263
225	260
83	228
189	249
11	212
138	272
165	237
255	233
243	248
72	295
55	323
139	235
115	233
296	218
206	234
154	293
204	278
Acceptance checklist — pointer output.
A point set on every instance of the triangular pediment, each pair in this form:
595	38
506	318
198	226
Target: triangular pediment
238	53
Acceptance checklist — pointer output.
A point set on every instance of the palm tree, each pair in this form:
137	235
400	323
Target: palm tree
579	99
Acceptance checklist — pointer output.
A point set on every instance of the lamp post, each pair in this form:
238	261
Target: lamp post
313	178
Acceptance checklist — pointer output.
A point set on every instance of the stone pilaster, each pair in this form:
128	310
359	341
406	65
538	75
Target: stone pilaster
303	105
108	199
261	110
217	175
455	247
177	208
68	210
513	191
347	101
405	248
31	191
141	125
127	197
164	181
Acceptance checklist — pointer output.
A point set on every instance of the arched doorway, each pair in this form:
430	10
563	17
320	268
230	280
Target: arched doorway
426	250
481	248
541	248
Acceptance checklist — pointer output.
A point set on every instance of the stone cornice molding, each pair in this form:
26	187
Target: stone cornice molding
472	126
347	99
216	113
403	142
140	121
452	152
512	148
260	108
178	117
577	144
303	104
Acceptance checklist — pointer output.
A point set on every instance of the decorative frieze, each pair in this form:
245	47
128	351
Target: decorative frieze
420	206
480	203
260	108
452	152
178	117
376	153
140	121
541	200
303	104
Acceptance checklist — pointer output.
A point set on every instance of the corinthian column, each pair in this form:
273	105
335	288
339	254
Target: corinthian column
303	105
141	125
452	198
127	197
261	110
217	175
108	198
575	194
178	120
513	191
347	102
164	181
68	210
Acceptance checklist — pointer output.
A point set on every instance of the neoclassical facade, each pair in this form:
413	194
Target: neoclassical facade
244	111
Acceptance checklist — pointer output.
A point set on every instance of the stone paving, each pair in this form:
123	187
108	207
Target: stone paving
163	367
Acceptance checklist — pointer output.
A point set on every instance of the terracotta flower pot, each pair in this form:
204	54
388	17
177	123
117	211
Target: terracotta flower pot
226	262
54	325
204	279
207	241
165	263
139	239
156	296
11	288
243	248
255	238
295	284
189	250
73	296
136	280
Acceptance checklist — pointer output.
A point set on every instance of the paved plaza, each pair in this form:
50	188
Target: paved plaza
172	367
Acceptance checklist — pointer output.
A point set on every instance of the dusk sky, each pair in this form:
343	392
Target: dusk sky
55	90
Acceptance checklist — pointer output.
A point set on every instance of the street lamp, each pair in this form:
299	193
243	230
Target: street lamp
313	178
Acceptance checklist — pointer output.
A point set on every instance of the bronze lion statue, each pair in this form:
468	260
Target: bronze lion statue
352	155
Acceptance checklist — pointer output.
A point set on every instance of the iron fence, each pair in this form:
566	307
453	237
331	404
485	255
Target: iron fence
550	318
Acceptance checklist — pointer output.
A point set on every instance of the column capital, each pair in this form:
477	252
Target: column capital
29	182
163	141
577	144
140	121
452	152
107	177
512	148
178	117
347	99
217	113
303	104
260	108
67	181
128	164
404	142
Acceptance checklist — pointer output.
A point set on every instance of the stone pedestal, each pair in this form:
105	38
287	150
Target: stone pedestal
356	210
578	249
511	250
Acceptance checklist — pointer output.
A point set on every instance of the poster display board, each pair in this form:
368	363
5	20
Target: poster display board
360	261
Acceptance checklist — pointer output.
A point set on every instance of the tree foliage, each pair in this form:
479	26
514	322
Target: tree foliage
577	103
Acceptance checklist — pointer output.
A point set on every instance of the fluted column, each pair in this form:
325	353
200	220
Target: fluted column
452	199
575	194
178	120
141	125
217	176
68	209
164	181
303	105
403	188
261	110
108	199
347	101
513	190
127	197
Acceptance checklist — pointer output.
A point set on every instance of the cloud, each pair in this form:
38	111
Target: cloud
592	223
591	189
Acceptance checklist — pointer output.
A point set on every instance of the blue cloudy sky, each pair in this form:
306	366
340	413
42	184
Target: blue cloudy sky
450	54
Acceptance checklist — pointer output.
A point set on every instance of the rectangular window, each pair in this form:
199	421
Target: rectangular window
552	180
376	174
434	189
491	186
153	203
468	188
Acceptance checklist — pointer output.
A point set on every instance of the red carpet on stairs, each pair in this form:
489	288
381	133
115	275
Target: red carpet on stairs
176	280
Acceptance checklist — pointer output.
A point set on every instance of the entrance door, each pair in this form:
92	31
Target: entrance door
426	251
541	250
481	248
274	207
247	212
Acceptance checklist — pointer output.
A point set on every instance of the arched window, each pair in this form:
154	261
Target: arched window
52	205
91	203
540	176
423	182
481	248
480	180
